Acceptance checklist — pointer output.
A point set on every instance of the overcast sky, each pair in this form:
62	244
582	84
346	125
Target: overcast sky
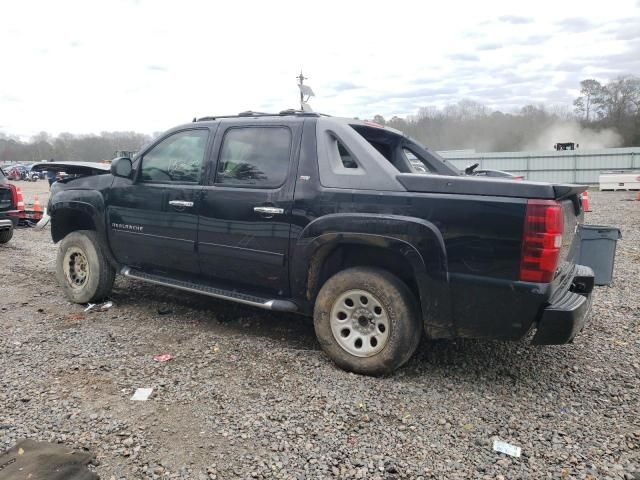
92	66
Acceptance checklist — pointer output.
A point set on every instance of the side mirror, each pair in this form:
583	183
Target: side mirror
121	167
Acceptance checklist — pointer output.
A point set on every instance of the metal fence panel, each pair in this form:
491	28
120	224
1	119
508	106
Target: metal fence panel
574	166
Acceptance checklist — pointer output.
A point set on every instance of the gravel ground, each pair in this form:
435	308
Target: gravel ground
250	395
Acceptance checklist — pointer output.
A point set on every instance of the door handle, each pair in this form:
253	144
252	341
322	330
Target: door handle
180	203
269	210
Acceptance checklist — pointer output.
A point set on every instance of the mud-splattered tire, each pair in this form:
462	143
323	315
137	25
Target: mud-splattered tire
6	235
367	321
83	271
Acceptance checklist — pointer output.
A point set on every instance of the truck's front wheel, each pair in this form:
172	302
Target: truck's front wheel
82	269
367	321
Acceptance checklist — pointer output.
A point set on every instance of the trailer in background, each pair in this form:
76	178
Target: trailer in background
620	180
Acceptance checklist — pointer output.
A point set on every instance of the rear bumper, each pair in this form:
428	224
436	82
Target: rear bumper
568	311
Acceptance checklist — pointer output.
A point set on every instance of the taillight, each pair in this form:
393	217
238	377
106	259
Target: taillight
14	195
541	242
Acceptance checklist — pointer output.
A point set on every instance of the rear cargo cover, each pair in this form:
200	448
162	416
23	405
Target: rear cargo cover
486	186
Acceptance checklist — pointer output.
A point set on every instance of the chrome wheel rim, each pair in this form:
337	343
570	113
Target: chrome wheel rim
360	323
76	267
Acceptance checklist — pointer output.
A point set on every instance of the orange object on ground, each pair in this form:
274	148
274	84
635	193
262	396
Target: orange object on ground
20	207
638	197
585	202
37	209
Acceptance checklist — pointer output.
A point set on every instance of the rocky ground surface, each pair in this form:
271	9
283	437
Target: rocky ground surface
249	394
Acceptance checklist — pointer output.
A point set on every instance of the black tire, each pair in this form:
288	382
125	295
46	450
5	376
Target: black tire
5	235
400	312
87	279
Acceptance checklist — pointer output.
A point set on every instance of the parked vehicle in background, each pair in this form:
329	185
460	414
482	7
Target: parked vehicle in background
471	170
32	176
497	174
328	217
124	153
566	146
15	172
8	208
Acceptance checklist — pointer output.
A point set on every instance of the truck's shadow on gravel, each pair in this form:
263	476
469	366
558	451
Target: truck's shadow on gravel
473	360
490	361
294	331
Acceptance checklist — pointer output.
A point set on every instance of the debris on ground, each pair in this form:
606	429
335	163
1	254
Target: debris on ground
506	448
142	394
98	307
164	357
105	306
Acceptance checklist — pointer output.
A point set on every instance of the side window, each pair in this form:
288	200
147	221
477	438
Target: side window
345	156
254	156
177	158
418	165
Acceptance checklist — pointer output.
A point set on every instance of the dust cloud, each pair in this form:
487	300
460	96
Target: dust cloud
571	131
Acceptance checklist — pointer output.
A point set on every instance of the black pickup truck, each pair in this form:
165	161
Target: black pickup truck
324	216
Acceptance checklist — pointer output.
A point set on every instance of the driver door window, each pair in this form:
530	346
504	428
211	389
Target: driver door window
177	158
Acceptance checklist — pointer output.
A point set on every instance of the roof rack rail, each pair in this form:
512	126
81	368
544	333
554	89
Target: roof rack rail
250	113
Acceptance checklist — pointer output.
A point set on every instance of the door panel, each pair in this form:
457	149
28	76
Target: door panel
153	220
149	233
238	241
237	244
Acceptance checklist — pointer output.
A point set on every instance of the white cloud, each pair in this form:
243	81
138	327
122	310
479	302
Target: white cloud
83	66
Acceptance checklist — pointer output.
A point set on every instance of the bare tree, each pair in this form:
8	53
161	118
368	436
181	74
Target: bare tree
590	93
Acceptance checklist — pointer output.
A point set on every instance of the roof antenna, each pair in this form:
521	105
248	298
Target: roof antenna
305	91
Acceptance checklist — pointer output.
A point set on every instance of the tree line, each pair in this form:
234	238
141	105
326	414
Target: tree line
69	147
603	115
608	114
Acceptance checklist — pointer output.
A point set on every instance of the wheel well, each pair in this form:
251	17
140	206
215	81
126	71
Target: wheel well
66	221
328	262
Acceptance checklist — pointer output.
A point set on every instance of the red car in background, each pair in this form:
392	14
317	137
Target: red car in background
8	208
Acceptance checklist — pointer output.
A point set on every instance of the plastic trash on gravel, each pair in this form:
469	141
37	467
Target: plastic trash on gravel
164	357
98	307
142	394
506	448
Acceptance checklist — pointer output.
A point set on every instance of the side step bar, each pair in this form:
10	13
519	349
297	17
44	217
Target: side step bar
255	301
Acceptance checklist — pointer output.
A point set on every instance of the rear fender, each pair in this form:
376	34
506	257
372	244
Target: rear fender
417	240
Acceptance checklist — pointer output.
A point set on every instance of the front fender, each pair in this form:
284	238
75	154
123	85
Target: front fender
417	240
85	201
78	202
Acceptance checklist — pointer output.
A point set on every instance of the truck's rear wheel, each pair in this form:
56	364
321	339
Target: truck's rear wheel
367	321
83	271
